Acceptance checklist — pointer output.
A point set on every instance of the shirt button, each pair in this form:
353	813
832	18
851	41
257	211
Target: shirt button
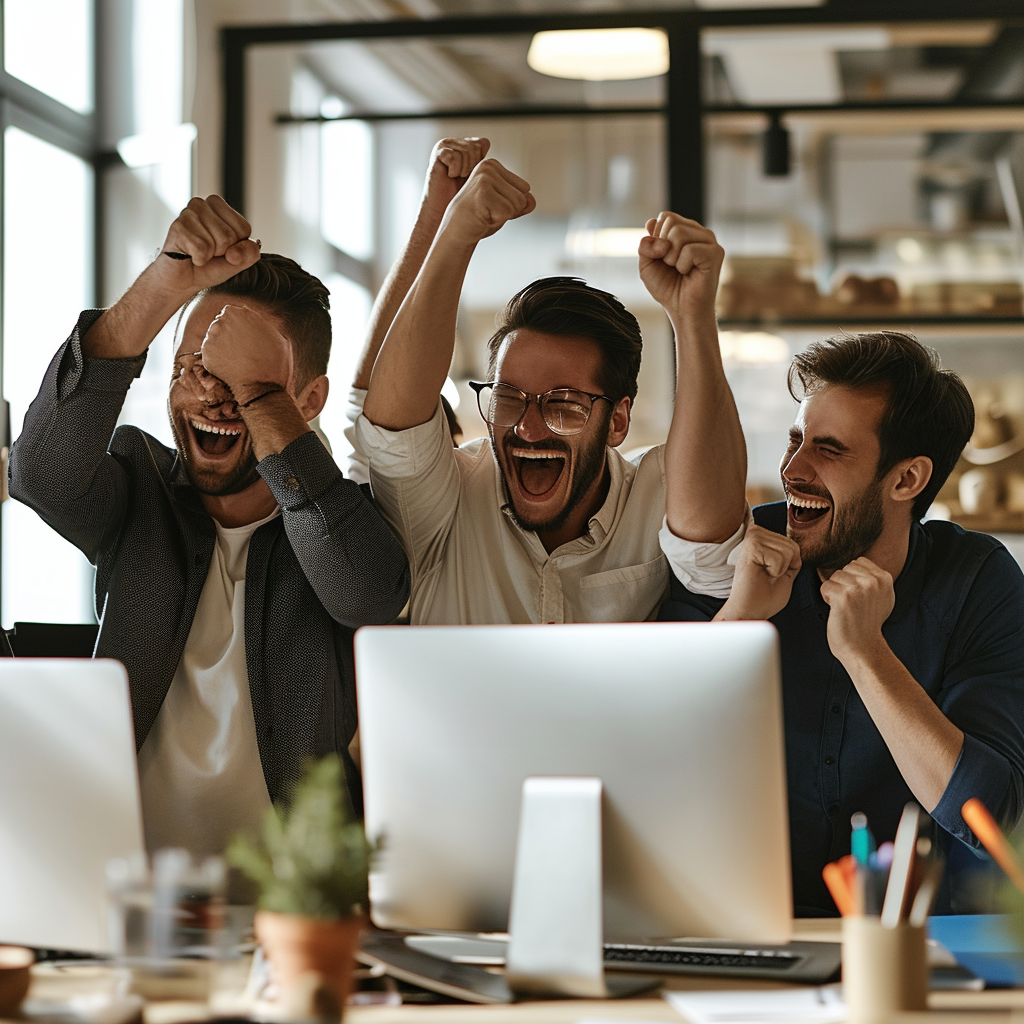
291	483
830	760
835	709
833	809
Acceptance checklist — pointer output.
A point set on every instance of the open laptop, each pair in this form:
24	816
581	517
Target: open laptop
682	724
69	798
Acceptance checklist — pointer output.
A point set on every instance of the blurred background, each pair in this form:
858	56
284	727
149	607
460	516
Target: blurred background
861	163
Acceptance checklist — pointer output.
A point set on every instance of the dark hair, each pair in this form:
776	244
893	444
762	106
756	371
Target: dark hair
569	307
298	299
927	409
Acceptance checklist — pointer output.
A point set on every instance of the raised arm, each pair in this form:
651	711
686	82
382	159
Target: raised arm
60	464
414	360
215	237
451	162
706	457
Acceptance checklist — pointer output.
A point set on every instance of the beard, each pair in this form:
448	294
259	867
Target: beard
216	483
855	527
587	464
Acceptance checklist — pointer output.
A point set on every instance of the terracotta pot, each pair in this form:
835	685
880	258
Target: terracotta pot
311	961
15	962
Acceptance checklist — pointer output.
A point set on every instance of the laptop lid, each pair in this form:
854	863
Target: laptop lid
681	721
69	798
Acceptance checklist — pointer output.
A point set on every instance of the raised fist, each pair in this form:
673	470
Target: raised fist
451	163
215	240
680	263
491	197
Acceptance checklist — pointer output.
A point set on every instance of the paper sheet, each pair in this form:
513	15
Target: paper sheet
795	1006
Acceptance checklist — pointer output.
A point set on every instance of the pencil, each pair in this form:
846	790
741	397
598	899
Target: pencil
983	825
839	889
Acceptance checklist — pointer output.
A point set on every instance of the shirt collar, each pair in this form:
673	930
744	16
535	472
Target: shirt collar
599	524
807	586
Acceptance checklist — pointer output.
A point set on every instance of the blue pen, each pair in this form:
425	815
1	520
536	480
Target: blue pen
862	842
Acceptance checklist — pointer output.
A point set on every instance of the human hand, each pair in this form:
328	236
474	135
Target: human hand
246	350
860	597
766	565
680	263
215	236
451	162
492	196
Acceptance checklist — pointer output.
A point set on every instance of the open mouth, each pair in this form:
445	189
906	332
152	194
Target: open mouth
538	471
212	440
806	510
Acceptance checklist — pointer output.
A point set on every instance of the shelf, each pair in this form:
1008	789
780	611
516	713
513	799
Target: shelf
973	324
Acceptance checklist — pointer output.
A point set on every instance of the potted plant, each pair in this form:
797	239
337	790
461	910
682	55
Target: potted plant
311	870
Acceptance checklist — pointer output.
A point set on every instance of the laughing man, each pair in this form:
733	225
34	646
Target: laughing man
232	569
902	641
543	521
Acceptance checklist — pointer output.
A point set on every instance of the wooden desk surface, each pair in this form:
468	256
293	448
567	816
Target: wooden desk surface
947	1007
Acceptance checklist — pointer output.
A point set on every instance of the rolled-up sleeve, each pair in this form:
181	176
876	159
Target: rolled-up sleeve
703	568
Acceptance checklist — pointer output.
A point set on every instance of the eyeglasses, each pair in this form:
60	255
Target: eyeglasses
565	410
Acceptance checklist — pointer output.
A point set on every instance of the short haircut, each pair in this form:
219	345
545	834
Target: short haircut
928	410
298	299
569	307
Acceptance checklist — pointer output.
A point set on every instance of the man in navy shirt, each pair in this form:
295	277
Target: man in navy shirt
902	642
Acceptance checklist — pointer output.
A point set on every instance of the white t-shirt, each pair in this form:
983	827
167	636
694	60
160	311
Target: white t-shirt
200	770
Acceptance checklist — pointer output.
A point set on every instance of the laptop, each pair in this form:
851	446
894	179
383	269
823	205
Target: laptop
69	798
682	724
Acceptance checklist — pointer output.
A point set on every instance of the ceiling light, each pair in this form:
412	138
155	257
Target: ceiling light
600	54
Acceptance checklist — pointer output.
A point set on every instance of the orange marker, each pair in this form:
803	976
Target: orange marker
839	888
984	827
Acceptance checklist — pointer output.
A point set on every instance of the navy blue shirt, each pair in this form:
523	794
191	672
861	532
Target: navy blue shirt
958	627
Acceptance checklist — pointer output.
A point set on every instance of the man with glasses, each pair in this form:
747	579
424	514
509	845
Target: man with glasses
232	568
544	522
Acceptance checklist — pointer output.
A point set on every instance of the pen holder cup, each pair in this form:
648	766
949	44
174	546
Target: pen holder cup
885	970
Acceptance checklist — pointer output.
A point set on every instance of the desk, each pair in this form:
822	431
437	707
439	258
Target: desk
993	1006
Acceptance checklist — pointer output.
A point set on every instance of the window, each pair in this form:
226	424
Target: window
47	275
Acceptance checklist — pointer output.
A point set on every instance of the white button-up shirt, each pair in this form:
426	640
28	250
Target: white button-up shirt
472	563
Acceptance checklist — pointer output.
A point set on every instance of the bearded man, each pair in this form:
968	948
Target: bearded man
902	641
231	570
543	521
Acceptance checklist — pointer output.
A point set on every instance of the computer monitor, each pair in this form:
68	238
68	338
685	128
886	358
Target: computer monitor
681	722
69	799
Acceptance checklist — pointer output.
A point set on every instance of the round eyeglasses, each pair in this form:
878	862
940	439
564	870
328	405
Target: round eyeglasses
565	410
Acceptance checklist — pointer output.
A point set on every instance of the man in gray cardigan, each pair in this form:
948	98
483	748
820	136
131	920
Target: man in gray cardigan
232	570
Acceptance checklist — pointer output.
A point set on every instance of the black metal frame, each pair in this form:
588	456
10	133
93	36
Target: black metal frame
683	108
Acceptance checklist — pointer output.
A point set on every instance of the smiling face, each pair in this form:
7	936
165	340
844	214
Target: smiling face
555	482
836	502
209	432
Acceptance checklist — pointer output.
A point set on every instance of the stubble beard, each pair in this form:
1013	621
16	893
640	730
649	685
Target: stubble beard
587	465
855	527
211	482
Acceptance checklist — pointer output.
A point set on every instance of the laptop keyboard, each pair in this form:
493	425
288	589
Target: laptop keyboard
697	956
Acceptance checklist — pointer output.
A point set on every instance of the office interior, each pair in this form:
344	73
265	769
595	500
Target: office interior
861	164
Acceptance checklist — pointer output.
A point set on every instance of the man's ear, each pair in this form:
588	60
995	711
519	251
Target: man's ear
910	478
313	397
619	423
